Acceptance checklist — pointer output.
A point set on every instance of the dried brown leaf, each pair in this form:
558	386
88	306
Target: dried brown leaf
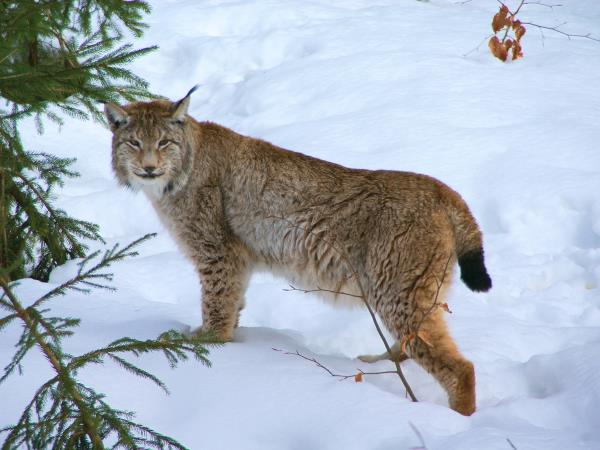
425	338
501	19
497	48
408	338
517	51
516	24
519	32
445	307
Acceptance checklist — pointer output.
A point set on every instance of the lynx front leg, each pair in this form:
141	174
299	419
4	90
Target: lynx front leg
224	280
219	314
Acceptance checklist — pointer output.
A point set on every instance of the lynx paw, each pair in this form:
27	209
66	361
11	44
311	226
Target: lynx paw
398	357
373	358
218	335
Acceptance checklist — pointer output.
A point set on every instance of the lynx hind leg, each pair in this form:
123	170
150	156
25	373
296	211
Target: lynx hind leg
440	357
421	324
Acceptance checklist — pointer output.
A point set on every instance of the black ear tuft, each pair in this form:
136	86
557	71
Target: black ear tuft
180	108
192	90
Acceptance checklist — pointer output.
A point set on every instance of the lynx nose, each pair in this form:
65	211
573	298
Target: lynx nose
150	169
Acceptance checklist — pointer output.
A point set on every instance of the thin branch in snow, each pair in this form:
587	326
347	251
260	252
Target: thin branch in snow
485	39
542	4
564	33
318	289
357	376
419	436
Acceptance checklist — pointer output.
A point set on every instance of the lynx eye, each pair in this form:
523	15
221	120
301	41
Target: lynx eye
134	143
163	143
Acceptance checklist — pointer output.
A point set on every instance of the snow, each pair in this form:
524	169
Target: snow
372	84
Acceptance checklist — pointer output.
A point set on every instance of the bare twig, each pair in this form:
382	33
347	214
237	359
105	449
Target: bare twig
434	304
523	2
511	444
513	14
485	39
313	360
542	4
419	436
329	371
564	33
389	350
318	289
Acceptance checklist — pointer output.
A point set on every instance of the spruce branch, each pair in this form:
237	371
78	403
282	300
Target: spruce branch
84	274
35	236
65	413
51	211
63	376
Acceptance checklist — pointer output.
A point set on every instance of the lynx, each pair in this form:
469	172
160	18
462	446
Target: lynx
236	204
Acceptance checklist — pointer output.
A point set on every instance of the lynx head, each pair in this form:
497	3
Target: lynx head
151	148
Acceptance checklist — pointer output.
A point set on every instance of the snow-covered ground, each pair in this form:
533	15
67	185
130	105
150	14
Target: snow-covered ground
373	84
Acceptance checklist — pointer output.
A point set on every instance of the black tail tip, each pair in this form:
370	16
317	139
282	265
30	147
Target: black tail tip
473	271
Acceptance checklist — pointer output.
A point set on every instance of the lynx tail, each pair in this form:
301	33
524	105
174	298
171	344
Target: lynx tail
473	271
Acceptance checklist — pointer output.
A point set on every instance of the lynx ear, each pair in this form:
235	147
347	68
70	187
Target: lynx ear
180	108
115	115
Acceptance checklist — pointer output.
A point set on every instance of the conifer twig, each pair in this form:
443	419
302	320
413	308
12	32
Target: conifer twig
62	373
110	256
50	209
65	414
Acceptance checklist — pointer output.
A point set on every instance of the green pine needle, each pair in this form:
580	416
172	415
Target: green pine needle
64	413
